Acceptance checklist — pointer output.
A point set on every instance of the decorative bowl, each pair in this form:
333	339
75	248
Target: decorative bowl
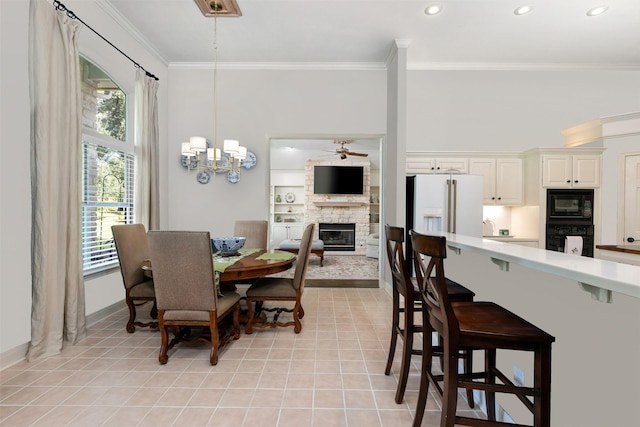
227	245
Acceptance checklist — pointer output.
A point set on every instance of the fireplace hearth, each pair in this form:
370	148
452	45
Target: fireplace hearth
338	236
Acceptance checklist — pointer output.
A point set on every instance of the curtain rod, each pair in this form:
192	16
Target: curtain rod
61	7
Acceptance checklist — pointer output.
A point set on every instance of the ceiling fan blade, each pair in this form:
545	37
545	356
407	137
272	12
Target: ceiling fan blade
351	153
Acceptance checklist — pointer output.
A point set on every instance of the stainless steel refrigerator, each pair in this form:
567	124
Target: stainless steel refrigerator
443	203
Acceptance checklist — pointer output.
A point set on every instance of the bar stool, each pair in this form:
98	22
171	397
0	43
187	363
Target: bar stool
479	326
412	303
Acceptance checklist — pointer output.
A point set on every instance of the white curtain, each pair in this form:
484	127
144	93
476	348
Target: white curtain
147	203
57	312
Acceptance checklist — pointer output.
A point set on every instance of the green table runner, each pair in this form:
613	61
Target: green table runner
220	263
279	256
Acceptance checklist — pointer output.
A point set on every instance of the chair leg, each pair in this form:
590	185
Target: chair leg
489	367
250	314
236	322
468	369
215	339
542	382
154	310
407	348
132	316
395	321
300	312
297	327
427	363
164	343
450	388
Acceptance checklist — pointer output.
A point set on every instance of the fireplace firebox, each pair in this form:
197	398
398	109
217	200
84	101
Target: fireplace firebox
338	237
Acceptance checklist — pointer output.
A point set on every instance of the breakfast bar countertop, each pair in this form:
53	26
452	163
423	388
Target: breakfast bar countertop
593	274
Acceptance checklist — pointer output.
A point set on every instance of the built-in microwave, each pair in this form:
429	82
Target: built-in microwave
574	205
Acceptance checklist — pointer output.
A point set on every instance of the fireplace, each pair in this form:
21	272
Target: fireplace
338	237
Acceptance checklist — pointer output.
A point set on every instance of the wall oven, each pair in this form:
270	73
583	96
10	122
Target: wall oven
575	206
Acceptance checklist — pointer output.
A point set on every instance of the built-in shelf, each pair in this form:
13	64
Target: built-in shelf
345	204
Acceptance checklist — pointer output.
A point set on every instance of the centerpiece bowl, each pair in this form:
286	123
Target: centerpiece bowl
227	245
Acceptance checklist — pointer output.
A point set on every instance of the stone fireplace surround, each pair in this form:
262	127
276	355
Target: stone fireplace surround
339	209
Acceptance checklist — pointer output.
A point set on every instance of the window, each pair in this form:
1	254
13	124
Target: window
107	168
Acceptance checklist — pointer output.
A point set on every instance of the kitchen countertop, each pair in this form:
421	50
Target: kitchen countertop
599	277
629	249
511	238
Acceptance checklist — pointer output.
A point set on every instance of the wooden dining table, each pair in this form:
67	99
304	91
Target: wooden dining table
246	269
250	267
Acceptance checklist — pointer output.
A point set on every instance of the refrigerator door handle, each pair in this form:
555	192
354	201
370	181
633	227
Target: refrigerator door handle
455	205
448	211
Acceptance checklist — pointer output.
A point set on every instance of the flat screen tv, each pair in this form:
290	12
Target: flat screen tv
338	179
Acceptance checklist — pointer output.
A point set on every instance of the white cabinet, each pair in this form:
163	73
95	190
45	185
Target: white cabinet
285	231
503	183
374	210
437	165
570	171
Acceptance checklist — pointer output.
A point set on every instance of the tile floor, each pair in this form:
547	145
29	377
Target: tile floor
331	374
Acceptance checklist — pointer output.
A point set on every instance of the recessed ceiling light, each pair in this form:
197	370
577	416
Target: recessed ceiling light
522	10
434	9
597	10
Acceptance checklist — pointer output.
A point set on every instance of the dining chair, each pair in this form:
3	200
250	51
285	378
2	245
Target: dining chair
479	326
281	289
132	247
406	288
185	291
255	233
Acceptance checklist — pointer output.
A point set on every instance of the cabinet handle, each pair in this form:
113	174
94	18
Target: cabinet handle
493	198
499	198
630	239
576	181
568	181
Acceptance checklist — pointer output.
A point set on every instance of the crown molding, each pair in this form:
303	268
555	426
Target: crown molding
598	129
487	66
331	66
123	22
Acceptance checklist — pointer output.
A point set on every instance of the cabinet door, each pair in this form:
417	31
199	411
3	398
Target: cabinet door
295	231
487	169
420	165
448	165
556	171
278	234
509	186
586	172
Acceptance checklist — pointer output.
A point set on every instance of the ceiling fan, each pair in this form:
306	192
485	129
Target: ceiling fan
343	151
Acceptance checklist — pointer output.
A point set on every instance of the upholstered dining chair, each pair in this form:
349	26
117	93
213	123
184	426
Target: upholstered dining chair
132	247
254	231
183	273
405	287
479	326
282	289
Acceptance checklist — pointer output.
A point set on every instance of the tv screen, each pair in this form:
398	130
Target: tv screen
338	179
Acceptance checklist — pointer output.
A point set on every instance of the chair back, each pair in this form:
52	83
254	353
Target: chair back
401	278
254	231
303	258
182	264
429	255
132	247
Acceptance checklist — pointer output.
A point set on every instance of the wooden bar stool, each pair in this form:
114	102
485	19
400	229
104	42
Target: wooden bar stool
479	326
412	303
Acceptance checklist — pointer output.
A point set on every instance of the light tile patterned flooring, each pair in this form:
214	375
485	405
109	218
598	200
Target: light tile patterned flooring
331	374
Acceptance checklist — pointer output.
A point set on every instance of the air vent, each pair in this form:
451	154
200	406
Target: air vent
225	7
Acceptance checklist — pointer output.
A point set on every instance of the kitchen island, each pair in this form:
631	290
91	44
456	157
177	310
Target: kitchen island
595	369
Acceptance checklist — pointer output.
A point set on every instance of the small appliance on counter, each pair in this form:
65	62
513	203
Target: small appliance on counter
487	227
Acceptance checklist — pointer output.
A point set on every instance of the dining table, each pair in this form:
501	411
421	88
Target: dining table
247	265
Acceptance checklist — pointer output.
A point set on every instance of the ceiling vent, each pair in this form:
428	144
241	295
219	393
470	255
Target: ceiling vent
224	8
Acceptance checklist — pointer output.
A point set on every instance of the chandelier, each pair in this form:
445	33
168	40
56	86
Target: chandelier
208	159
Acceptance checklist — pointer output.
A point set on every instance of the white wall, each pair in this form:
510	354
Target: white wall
15	224
511	110
252	107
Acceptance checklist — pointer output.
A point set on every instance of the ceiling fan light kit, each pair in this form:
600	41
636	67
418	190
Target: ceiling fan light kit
343	151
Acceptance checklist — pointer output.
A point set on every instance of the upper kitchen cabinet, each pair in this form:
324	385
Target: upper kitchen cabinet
503	183
570	171
437	165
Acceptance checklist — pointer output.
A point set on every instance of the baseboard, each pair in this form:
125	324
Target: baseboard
19	353
102	314
13	356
